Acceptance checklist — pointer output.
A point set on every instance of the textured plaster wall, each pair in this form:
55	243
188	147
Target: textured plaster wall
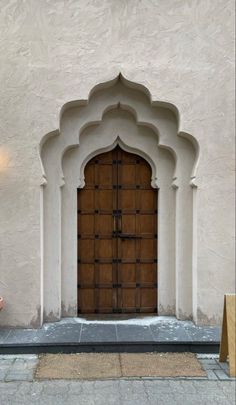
53	52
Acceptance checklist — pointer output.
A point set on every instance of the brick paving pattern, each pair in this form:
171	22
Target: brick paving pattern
18	386
119	392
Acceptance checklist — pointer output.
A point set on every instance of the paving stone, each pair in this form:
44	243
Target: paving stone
224	366
98	333
4	334
229	388
208	361
205	356
205	334
134	333
19	376
21	370
84	400
211	366
18	356
211	375
36	388
60	333
6	362
61	387
87	386
216	368
138	392
169	332
10	388
221	374
23	389
105	387
110	398
75	388
24	336
3	373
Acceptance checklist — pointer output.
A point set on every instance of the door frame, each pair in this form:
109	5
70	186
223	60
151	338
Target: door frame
166	223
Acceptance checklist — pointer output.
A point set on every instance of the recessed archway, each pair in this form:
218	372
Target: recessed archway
123	112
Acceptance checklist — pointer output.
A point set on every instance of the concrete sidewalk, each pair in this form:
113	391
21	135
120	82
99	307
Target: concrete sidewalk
18	386
119	392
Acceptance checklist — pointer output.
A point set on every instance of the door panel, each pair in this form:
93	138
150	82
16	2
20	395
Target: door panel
117	236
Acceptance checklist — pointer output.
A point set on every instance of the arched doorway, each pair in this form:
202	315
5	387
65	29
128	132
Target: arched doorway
120	113
117	236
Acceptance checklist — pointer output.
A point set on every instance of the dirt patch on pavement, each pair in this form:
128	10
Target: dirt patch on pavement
78	366
107	365
161	365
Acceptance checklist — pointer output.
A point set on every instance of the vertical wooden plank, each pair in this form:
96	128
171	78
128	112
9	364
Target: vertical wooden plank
96	184
115	228
119	257
228	335
137	232
231	326
231	323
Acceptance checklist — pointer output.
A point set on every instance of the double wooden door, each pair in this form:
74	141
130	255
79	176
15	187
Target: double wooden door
117	236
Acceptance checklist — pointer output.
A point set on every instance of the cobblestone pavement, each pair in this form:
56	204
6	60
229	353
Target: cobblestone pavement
119	392
17	386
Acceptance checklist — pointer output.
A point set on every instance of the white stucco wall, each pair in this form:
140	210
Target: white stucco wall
53	52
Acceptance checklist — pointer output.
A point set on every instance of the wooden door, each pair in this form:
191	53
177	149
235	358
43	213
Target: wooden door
117	236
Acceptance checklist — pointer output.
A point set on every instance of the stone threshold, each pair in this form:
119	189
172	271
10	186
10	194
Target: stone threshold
160	334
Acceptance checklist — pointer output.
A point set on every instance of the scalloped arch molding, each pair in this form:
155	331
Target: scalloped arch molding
121	112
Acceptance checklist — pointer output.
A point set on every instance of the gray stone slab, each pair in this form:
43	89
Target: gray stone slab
61	333
55	333
6	362
209	362
18	368
224	366
221	374
5	366
205	356
12	357
205	334
214	369
98	333
134	333
21	370
71	332
24	336
3	373
3	334
211	366
170	332
19	376
211	375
